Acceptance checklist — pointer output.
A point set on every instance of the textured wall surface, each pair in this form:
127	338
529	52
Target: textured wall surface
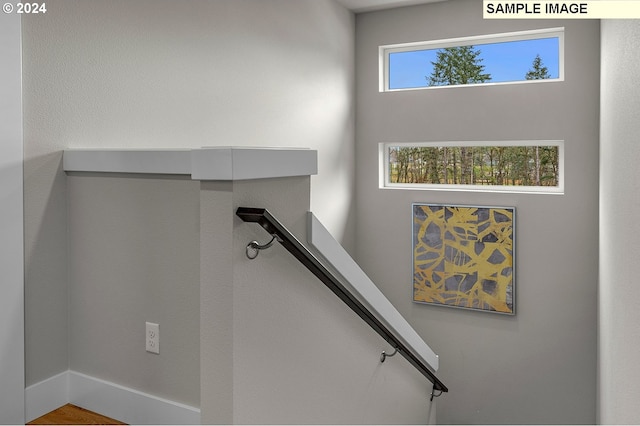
538	366
172	74
134	258
619	249
11	225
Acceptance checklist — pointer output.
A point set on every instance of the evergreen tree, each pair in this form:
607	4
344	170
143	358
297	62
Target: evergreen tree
538	71
457	65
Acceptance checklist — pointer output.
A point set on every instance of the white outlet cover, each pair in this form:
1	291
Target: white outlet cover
152	337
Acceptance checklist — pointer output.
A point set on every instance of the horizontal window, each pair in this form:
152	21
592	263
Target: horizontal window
513	166
490	59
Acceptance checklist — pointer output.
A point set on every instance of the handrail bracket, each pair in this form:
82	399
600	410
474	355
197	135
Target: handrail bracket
254	248
384	355
433	392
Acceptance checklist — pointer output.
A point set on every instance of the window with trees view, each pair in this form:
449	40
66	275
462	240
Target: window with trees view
515	166
500	58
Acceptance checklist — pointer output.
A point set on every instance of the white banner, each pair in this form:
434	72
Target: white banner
548	9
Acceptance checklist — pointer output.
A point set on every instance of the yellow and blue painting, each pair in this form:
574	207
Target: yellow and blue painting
464	257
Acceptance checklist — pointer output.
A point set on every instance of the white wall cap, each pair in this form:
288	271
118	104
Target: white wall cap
163	161
207	163
241	163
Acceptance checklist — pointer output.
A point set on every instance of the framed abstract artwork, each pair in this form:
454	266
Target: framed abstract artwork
463	257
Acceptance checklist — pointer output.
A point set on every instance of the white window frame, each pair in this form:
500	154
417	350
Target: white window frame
386	50
384	181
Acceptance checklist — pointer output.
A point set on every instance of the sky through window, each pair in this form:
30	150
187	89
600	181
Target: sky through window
505	61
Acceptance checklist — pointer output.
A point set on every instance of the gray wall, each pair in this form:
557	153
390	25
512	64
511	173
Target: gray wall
11	221
284	348
249	342
134	257
540	365
173	74
619	250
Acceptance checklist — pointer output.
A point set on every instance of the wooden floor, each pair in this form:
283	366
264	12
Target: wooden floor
71	415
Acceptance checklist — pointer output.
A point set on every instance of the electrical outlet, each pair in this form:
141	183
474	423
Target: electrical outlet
152	338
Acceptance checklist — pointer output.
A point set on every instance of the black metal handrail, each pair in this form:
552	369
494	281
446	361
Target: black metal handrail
311	262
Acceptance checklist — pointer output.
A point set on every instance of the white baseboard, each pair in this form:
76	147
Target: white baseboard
46	396
110	399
